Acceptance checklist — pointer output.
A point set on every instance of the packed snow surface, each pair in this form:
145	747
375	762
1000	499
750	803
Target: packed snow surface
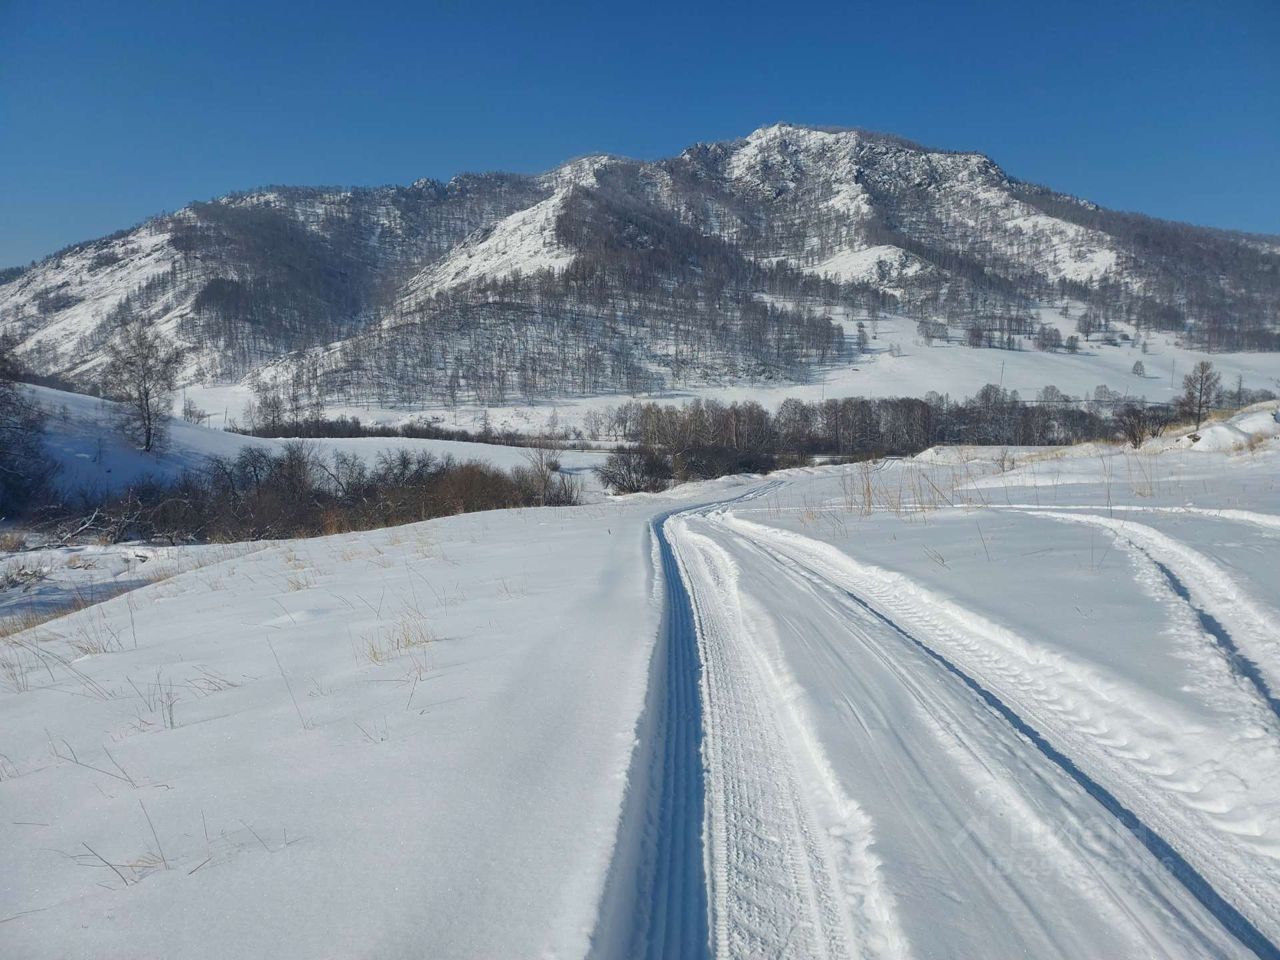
996	703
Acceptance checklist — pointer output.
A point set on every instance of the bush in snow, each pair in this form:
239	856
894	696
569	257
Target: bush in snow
635	470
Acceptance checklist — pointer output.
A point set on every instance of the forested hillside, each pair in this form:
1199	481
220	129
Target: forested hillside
743	260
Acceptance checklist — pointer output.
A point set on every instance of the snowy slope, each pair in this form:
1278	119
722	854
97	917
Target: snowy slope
878	264
83	438
524	242
898	364
55	308
357	718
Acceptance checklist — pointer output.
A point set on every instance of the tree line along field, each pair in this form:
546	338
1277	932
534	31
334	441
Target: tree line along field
299	491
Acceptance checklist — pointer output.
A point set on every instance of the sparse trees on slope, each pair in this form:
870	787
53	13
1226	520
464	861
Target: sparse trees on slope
141	375
864	341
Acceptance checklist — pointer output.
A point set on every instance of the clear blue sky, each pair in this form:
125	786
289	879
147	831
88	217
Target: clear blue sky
113	111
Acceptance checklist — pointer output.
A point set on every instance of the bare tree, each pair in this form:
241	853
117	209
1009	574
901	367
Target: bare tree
1201	389
1138	422
141	374
541	482
191	412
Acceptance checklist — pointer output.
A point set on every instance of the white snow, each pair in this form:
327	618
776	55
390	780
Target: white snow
866	264
983	703
374	743
82	436
1073	252
524	242
1239	431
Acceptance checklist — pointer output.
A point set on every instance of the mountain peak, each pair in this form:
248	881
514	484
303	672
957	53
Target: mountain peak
820	137
621	259
580	171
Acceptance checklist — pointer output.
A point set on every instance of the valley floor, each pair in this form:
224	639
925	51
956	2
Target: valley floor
979	703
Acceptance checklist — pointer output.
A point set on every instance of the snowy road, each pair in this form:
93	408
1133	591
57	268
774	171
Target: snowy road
888	774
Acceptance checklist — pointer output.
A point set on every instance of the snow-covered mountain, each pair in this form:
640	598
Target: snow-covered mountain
726	262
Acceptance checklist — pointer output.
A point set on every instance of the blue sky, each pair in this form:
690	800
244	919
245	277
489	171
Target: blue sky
111	112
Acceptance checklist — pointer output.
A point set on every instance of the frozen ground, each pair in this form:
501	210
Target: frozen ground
981	703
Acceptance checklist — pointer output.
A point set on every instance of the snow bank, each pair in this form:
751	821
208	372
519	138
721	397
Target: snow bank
1239	432
412	742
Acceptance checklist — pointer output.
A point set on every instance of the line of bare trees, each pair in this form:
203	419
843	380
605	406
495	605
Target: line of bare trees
706	438
298	492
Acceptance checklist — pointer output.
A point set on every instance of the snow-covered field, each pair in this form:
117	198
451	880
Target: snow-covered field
898	364
996	703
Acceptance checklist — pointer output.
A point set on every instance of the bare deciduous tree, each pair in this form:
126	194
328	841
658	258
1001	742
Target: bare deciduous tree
141	374
635	470
1201	389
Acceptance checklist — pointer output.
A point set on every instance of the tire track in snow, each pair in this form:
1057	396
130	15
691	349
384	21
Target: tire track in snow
1239	664
774	886
1232	920
1264	521
972	755
655	901
679	921
1224	601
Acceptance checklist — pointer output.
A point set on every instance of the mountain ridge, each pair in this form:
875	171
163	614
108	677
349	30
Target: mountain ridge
731	259
13	270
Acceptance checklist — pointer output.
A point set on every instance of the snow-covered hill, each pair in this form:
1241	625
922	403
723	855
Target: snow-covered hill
608	275
83	438
524	242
